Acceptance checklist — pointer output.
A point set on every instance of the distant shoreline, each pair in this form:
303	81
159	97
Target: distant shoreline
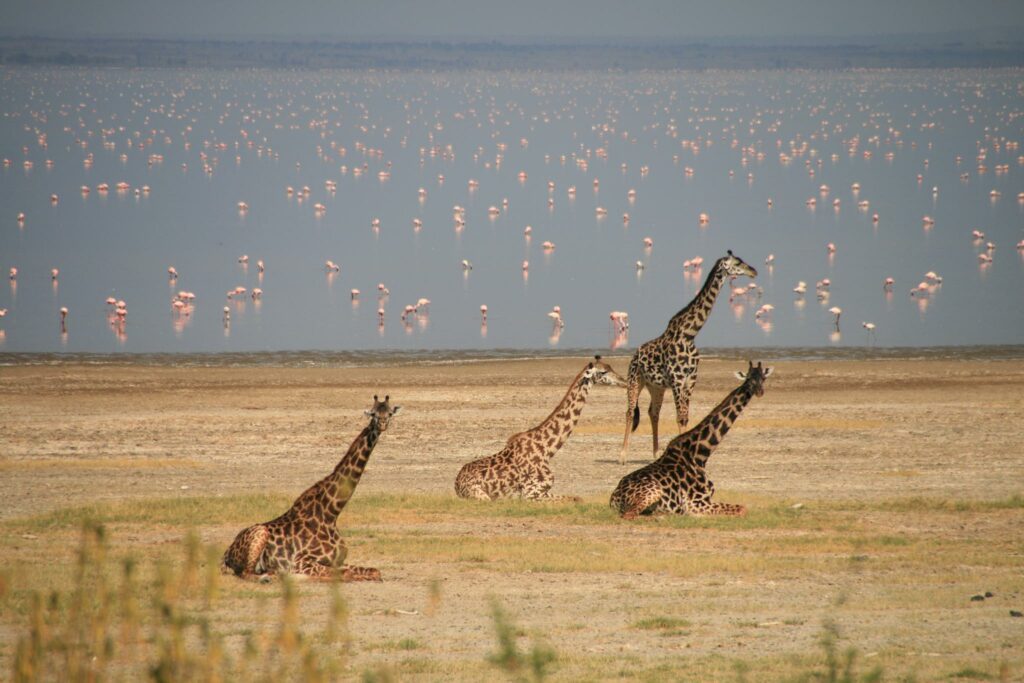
445	357
500	56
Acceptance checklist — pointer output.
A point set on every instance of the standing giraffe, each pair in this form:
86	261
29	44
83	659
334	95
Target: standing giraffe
523	467
670	361
304	541
677	481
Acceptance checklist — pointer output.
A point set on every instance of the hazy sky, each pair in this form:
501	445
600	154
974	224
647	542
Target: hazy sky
486	19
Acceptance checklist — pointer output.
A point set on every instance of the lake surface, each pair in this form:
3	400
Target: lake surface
919	143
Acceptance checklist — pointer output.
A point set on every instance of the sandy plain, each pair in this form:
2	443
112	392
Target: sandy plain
883	495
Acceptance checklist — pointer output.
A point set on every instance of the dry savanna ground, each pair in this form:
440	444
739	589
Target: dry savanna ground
883	496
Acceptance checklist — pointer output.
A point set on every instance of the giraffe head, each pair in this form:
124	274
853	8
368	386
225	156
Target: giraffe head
599	372
754	377
733	266
382	412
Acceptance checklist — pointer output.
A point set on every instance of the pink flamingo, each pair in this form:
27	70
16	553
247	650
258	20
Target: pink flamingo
888	283
54	272
13	274
619	320
836	311
648	243
483	314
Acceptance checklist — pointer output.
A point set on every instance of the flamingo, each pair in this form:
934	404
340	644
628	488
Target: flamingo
770	259
483	314
836	311
801	287
888	283
466	265
13	274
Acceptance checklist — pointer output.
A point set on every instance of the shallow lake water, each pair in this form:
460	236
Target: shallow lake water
380	150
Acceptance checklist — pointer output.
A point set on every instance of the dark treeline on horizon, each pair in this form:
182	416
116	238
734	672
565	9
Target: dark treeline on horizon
494	55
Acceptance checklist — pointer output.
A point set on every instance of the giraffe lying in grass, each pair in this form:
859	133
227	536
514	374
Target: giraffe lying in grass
523	467
677	481
305	541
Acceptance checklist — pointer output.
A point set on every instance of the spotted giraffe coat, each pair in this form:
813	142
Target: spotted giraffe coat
523	467
304	541
677	482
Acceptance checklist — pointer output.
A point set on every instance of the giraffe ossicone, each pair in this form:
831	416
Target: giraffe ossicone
304	541
670	361
523	467
677	482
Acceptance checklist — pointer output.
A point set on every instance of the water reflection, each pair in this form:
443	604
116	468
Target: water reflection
197	168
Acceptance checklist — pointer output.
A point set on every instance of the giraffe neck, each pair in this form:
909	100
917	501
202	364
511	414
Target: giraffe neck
699	443
556	429
689	321
334	491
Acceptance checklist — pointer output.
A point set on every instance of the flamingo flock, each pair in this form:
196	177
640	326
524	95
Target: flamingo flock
385	172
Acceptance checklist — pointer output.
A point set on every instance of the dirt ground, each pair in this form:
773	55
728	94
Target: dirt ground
907	475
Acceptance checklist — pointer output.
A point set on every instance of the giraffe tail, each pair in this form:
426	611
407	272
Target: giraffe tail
636	416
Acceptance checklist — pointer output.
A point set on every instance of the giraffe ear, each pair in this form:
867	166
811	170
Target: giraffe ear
394	410
590	366
768	371
369	413
740	374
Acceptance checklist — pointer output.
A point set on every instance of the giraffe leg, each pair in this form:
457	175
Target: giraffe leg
311	567
540	489
635	502
681	395
243	557
350	573
654	411
720	509
632	409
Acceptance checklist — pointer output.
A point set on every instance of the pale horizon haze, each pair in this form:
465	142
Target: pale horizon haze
522	20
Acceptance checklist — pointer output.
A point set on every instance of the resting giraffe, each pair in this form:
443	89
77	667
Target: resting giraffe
677	481
670	361
523	468
304	541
